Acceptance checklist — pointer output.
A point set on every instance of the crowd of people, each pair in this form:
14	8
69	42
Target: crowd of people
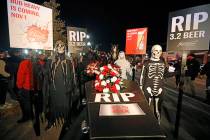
49	82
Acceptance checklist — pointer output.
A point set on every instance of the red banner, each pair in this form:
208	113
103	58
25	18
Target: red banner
136	41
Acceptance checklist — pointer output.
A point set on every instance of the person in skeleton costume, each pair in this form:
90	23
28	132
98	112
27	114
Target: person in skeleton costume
61	87
124	65
152	79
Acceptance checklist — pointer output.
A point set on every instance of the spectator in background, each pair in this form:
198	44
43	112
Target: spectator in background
13	64
177	66
4	77
192	70
25	86
80	69
41	84
206	71
133	67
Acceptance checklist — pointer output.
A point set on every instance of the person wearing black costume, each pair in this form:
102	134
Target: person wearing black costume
61	87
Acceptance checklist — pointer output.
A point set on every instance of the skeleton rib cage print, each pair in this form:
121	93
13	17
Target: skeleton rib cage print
156	73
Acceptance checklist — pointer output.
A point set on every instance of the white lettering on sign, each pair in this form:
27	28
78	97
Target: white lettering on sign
125	96
82	36
116	98
198	18
80	44
177	22
195	34
106	97
103	96
72	36
77	36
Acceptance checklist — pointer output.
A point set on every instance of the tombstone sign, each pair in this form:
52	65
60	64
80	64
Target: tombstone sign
189	29
76	39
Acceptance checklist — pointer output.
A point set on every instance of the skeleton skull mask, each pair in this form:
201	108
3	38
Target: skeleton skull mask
156	52
59	47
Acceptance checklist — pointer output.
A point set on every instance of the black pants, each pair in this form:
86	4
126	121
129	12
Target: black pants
25	99
3	91
133	74
12	89
177	79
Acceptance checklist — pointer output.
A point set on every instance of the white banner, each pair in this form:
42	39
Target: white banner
120	110
30	25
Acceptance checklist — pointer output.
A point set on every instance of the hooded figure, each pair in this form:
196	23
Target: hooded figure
152	79
124	65
61	87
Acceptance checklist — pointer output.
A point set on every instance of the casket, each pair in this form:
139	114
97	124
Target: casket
124	115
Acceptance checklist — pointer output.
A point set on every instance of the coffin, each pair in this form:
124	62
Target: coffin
125	115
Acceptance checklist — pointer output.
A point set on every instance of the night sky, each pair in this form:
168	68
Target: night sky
107	21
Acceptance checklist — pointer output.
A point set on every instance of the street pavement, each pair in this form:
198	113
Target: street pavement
195	117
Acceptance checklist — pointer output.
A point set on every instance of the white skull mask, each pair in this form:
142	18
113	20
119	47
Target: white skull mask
156	52
60	47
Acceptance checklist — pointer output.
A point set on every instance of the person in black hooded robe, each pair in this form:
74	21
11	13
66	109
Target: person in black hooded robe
61	87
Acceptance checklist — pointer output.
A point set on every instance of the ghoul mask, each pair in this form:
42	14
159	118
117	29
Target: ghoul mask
60	47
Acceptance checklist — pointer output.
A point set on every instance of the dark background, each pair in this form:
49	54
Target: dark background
107	20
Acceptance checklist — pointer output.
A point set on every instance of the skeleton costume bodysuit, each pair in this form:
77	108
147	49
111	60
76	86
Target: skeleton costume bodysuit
61	86
152	79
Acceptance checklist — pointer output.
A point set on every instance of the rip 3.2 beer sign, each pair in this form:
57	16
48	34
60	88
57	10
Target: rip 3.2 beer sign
189	29
76	39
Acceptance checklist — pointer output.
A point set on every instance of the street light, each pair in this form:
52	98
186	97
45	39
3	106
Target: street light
87	36
89	44
26	51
